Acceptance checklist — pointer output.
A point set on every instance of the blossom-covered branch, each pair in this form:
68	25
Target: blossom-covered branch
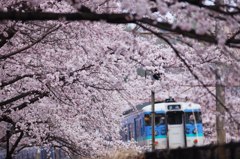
116	18
50	30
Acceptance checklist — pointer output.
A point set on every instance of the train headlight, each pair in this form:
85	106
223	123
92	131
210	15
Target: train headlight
195	141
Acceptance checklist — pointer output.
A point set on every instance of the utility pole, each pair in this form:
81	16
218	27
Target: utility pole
153	119
220	90
155	76
220	102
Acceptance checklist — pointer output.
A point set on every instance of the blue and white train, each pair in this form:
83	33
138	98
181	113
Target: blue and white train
177	124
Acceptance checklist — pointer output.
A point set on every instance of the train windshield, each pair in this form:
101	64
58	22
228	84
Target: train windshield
159	119
193	117
174	117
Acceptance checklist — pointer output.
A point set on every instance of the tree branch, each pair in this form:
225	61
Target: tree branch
32	100
6	119
16	142
121	18
20	96
216	8
43	16
6	83
7	34
50	30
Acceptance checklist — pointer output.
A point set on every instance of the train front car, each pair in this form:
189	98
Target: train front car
193	124
177	124
184	124
160	127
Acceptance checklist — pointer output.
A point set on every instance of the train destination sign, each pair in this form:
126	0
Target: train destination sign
174	107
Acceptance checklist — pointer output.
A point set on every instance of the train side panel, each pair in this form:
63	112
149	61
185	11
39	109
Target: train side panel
194	127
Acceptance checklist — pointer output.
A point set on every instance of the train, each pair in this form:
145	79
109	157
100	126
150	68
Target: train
177	124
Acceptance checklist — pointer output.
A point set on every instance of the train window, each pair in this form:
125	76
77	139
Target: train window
192	117
147	119
159	119
124	133
174	117
130	131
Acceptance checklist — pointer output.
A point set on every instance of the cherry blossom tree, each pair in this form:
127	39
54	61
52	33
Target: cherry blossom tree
61	89
65	82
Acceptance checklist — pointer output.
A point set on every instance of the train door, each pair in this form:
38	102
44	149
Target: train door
135	129
175	124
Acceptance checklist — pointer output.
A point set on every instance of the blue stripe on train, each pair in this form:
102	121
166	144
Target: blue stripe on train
156	137
164	136
194	135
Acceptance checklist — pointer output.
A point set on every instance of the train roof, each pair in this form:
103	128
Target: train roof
163	106
172	106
